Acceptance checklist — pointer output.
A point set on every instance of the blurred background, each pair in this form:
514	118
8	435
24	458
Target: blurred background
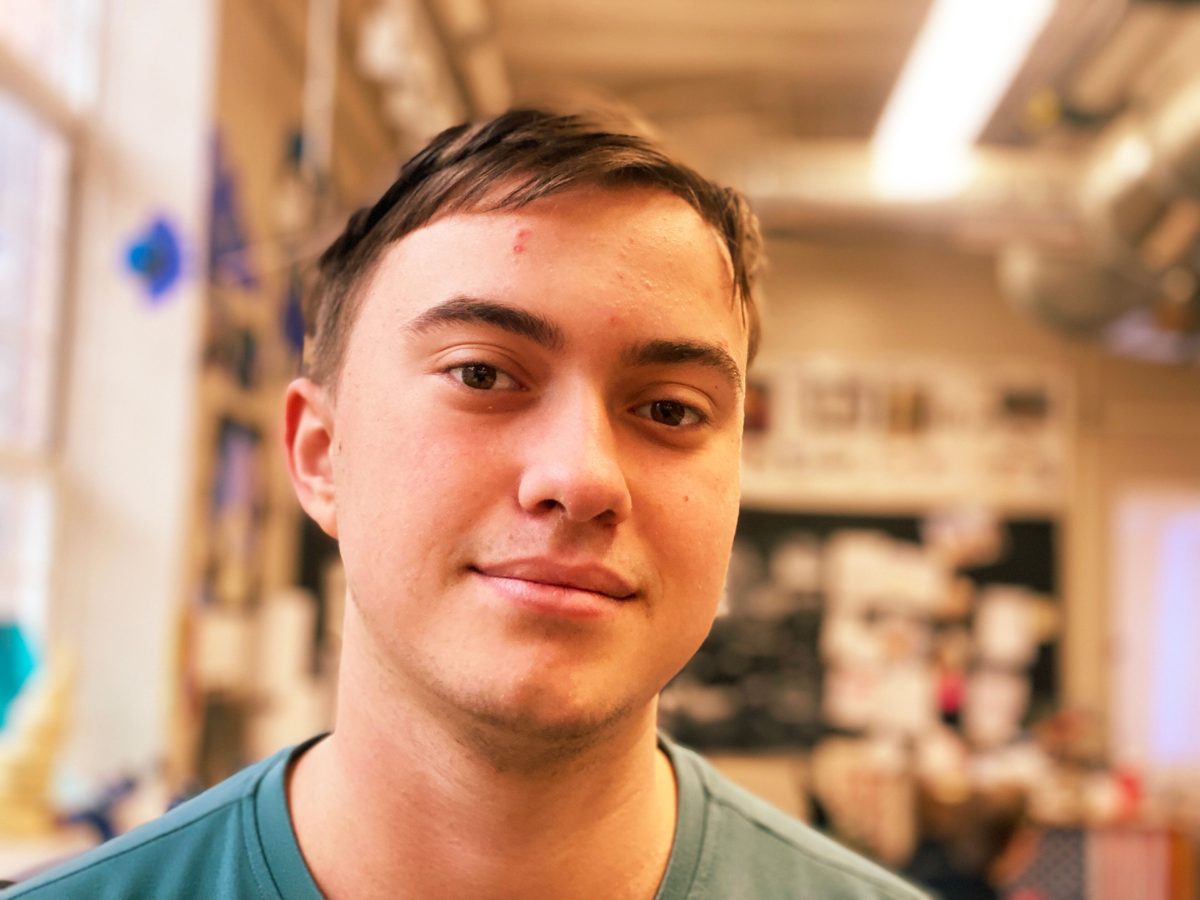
961	621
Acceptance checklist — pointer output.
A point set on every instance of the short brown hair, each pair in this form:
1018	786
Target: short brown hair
505	163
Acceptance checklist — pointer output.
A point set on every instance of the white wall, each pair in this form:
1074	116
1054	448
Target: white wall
126	451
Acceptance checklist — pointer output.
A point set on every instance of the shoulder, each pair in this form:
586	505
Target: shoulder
175	855
756	850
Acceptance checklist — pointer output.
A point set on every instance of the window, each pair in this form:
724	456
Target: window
1156	622
57	40
45	61
34	166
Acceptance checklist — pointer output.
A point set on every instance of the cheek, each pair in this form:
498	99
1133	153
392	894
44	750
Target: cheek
381	494
693	552
694	527
399	453
409	487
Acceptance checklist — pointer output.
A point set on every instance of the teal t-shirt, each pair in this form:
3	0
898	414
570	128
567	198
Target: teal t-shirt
236	841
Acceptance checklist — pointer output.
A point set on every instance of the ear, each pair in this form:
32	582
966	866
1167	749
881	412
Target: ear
308	439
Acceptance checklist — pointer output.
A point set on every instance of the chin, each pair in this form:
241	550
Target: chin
549	721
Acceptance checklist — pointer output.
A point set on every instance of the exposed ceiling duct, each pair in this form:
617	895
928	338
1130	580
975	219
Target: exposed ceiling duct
438	62
1140	191
1098	245
398	47
812	188
1095	222
1074	295
1135	281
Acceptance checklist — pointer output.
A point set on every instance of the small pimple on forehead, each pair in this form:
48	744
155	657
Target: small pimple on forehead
520	239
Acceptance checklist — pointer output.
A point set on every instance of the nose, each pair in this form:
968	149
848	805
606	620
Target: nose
573	463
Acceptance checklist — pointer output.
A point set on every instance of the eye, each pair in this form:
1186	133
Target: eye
671	413
482	377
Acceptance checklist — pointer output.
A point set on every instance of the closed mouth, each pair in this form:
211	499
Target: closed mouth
588	577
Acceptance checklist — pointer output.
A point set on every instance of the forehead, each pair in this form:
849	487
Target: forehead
643	249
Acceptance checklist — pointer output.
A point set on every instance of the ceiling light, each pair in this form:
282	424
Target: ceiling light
962	63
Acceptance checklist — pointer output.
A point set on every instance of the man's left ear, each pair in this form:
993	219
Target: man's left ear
308	439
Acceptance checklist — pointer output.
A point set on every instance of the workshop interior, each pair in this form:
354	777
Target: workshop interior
963	607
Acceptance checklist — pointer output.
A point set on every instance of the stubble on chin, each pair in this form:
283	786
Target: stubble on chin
514	722
522	737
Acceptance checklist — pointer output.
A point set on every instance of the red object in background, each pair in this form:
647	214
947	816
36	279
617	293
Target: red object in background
1129	783
951	688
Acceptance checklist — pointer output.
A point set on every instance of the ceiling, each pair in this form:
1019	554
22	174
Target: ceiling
738	72
738	79
725	70
782	97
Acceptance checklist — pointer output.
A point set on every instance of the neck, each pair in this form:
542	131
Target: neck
430	806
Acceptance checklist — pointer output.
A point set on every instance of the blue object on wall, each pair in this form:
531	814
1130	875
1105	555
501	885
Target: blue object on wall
156	257
293	315
16	665
229	261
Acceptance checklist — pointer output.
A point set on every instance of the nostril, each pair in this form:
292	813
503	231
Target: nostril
575	465
577	500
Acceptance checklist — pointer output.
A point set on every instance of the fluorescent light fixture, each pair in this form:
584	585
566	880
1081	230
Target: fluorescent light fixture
963	61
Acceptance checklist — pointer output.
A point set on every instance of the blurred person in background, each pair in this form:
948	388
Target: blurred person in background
521	418
969	842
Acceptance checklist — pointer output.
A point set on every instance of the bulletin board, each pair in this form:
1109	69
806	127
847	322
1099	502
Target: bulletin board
761	680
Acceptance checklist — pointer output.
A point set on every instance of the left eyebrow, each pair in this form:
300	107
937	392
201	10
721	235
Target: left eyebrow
667	353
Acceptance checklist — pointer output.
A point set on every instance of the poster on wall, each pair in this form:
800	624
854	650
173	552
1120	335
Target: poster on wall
906	433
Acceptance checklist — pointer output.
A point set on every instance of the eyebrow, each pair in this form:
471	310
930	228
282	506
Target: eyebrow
520	322
667	353
542	331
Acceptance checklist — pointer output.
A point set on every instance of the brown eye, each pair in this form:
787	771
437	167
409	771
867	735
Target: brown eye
478	376
668	412
671	413
483	377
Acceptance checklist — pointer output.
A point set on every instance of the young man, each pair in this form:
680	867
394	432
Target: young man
522	422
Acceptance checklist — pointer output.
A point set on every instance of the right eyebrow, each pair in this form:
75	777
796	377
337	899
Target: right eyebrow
475	310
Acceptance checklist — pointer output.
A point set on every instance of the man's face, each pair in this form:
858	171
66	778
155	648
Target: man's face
534	454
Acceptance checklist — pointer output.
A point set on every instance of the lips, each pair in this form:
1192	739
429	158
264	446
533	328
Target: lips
595	579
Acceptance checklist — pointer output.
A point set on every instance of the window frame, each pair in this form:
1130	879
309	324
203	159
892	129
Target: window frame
40	467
